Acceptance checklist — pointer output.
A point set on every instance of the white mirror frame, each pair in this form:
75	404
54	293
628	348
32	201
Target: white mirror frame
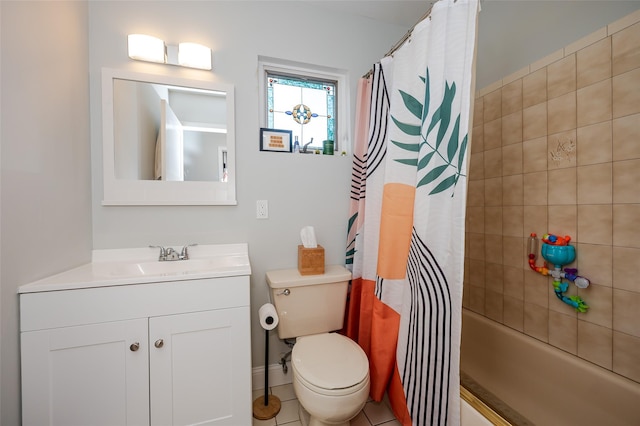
124	192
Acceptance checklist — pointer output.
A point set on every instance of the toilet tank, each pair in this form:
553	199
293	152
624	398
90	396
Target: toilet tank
309	304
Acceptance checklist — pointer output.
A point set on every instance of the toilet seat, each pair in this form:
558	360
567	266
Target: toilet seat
330	364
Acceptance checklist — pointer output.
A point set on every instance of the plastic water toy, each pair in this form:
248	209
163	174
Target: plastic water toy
556	250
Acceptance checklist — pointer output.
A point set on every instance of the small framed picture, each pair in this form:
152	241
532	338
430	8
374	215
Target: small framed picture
275	140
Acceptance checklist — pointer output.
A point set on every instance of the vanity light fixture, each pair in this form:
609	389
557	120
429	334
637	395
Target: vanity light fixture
147	48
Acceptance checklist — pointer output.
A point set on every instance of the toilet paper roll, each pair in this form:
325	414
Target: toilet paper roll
268	316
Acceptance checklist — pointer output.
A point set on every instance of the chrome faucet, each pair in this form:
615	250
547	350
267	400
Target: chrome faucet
168	253
184	254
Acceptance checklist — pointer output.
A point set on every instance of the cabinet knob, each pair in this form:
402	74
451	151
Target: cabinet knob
159	343
134	347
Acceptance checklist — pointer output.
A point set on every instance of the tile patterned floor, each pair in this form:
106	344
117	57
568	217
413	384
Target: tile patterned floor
373	413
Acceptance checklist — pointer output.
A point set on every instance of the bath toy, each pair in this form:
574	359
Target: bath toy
557	250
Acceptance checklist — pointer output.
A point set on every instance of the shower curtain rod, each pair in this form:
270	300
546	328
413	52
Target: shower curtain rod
406	37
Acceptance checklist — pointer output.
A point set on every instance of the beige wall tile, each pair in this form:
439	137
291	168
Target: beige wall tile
594	224
476	272
547	60
493	306
587	41
536	288
624	22
594	63
562	186
512	97
492	134
512	159
517	75
561	113
626	268
595	183
496	85
492	250
535	220
512	128
594	144
476	166
513	315
563	332
562	149
594	103
492	106
466	296
534	88
513	285
534	154
475	219
626	225
513	221
513	251
626	93
493	220
477	139
534	121
475	247
493	163
475	193
596	263
626	315
626	137
626	181
536	322
600	301
493	192
595	344
563	220
626	49
493	277
561	77
535	189
478	111
512	190
476	300
626	353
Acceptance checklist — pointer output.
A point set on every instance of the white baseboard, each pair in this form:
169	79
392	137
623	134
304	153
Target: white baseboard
277	377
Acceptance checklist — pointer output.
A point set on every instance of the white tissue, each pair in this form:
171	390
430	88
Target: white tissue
268	316
308	237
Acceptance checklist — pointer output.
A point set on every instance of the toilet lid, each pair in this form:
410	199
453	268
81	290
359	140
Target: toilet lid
330	361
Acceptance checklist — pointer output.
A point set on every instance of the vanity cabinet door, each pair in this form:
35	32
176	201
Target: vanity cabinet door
200	368
86	375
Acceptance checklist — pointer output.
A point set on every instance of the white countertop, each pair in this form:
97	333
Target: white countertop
115	267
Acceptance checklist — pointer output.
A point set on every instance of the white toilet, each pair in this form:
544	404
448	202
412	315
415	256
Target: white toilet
330	371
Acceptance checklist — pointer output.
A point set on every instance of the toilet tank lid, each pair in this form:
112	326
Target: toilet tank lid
291	277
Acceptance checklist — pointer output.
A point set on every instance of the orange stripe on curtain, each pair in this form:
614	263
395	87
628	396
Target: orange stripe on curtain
398	400
396	225
360	313
384	338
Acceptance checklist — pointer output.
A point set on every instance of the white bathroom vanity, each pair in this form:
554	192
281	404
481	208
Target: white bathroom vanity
129	340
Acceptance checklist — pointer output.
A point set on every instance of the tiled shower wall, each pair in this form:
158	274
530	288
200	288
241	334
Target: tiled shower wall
556	149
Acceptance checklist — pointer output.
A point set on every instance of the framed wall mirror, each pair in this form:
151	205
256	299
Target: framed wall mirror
167	140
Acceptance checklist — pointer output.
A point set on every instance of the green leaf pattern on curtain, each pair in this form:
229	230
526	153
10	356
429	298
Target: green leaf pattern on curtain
445	175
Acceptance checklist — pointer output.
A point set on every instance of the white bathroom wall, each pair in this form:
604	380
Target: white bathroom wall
46	191
301	190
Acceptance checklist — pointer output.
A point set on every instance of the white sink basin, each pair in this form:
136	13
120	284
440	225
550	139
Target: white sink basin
141	265
214	264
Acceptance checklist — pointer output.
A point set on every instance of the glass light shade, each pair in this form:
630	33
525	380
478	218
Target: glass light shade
194	55
146	48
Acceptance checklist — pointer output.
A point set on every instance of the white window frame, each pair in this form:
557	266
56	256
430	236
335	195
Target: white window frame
301	70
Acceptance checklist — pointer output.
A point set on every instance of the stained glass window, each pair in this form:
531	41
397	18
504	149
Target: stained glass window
305	106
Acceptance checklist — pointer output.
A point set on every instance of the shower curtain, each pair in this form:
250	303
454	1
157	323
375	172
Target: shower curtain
406	228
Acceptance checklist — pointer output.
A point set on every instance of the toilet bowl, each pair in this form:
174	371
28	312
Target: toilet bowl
330	371
330	378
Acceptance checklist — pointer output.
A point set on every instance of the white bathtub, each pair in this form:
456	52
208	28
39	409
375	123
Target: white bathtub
544	384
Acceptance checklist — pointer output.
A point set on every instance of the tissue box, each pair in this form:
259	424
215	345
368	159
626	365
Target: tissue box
310	260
